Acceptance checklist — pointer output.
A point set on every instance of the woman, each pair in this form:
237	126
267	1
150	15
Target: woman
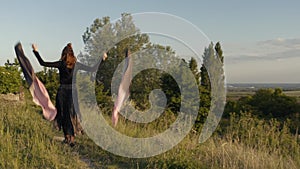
66	116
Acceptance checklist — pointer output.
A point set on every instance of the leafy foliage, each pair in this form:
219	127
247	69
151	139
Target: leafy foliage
114	39
50	78
211	57
103	36
265	103
268	104
273	103
10	78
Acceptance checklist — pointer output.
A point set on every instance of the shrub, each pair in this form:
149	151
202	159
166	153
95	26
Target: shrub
10	78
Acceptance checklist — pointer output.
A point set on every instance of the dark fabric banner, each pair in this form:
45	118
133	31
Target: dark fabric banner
24	63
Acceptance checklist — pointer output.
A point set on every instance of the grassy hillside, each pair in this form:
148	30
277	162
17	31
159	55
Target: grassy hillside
26	141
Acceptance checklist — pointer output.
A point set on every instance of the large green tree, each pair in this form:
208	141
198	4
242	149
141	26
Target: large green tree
152	60
114	39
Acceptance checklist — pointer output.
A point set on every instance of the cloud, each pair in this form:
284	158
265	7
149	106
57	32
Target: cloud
280	42
276	60
277	49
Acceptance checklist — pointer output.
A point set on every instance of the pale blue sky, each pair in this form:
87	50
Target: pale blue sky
260	39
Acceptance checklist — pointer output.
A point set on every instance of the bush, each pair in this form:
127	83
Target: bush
10	78
50	78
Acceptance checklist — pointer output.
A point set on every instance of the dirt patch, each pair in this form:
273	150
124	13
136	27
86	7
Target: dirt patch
12	97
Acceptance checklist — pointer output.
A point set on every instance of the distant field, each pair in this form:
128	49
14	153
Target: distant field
293	93
235	94
238	90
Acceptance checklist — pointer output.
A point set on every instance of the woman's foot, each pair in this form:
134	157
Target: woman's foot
72	141
65	141
56	126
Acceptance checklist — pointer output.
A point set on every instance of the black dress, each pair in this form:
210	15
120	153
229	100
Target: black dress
66	117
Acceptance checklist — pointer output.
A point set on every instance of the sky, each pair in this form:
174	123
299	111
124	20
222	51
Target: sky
260	39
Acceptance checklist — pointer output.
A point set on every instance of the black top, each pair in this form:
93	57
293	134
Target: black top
65	74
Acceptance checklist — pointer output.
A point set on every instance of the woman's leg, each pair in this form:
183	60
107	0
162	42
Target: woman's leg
67	123
63	98
76	116
59	108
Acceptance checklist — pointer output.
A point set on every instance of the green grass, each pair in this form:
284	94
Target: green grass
247	143
26	141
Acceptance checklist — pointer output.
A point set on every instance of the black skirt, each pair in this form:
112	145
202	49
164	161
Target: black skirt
66	117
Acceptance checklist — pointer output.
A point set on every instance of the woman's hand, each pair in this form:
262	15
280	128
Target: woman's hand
104	57
34	47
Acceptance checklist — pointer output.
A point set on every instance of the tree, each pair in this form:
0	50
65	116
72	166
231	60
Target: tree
219	52
195	70
155	62
112	38
10	78
273	103
266	103
211	63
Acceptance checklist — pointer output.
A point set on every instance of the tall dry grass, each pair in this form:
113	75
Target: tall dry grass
246	142
26	141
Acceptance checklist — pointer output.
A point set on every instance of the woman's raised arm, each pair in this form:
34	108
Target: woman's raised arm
41	61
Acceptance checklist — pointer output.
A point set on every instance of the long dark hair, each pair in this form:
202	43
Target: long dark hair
68	56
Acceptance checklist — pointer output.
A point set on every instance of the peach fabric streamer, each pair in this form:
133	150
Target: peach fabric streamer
123	91
41	97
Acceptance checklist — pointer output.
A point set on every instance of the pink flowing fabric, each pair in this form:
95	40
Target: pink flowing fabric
41	97
123	91
37	89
